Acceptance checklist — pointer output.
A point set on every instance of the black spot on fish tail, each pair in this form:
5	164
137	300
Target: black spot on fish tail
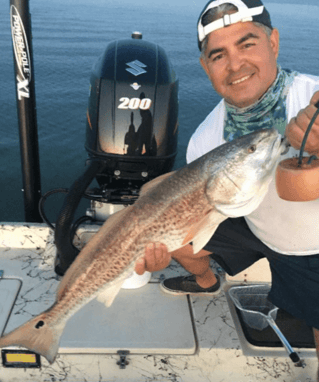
39	324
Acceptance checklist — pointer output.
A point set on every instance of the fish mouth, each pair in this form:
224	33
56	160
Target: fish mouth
277	147
280	145
285	145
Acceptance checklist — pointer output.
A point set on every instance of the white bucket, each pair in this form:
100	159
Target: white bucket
136	281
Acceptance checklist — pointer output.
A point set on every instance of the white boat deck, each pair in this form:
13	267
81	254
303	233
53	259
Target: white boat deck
169	338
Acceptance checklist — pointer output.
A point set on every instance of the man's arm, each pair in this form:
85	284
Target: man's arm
297	126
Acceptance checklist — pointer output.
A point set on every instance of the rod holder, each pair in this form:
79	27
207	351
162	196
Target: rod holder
20	20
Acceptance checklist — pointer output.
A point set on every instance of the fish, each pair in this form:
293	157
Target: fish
177	208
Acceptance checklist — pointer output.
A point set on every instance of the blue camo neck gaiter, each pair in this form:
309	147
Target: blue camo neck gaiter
268	112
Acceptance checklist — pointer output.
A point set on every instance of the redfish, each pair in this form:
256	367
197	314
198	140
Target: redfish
174	209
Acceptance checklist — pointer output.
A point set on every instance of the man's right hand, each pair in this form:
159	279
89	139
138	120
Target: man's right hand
296	128
156	258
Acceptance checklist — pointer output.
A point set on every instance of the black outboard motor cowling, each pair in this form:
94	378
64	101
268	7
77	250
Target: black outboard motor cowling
132	119
131	133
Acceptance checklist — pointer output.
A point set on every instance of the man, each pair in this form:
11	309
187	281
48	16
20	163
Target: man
239	50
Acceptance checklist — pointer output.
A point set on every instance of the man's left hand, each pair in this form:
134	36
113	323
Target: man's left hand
297	127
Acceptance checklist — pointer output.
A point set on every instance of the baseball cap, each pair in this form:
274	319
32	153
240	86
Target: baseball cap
248	10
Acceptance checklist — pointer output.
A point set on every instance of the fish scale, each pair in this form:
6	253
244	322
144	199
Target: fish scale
175	221
174	209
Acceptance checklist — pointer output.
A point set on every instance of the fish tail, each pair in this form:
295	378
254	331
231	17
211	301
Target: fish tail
36	335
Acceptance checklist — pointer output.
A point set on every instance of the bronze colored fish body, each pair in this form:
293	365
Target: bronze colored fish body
174	209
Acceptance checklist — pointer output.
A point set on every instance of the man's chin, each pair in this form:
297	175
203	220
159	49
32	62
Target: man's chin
242	100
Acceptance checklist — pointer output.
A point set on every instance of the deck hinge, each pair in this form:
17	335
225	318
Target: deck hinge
123	361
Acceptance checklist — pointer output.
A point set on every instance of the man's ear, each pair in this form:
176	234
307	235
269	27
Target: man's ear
274	41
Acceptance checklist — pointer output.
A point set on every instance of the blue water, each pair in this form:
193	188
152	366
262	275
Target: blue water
68	37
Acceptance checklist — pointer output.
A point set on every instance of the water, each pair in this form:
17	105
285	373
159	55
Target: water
68	37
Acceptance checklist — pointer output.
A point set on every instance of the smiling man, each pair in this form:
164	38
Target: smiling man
239	50
241	85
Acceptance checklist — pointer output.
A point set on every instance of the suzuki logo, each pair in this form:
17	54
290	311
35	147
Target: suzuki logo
136	67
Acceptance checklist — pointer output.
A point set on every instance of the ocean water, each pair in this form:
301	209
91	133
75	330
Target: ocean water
69	36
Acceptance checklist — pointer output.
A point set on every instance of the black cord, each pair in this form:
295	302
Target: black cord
76	225
42	201
65	191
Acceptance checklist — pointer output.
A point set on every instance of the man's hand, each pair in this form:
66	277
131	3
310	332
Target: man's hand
156	258
297	127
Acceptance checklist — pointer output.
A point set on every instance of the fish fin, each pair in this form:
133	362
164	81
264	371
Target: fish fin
203	237
201	232
153	183
108	294
36	335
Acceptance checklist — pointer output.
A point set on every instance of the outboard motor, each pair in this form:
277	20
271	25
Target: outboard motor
131	133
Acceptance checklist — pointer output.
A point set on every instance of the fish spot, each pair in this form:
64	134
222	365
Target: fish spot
39	324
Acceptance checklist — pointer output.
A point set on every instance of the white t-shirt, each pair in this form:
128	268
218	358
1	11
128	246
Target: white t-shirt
290	228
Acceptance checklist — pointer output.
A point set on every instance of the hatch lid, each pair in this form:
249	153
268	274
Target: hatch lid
142	321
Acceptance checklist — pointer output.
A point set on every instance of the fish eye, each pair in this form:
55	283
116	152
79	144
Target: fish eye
252	149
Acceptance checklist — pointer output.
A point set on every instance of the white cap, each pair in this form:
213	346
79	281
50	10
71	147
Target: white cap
246	12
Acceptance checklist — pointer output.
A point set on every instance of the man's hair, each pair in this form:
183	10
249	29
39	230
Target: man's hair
218	12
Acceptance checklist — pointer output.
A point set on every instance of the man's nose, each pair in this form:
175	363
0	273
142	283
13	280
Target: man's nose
235	61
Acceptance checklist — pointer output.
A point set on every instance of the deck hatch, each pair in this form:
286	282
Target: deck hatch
142	321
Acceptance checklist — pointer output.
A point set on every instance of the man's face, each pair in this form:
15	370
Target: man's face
241	62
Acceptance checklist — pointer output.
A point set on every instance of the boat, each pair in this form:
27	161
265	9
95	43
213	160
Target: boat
146	335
